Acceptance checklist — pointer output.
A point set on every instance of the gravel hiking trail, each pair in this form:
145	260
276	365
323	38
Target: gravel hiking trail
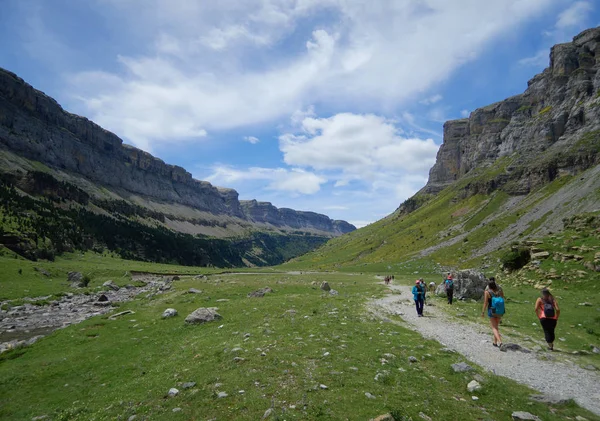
557	379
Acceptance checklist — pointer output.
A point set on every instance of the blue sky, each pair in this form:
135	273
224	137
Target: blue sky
334	106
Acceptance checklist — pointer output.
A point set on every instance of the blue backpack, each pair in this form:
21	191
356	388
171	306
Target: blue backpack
449	284
497	304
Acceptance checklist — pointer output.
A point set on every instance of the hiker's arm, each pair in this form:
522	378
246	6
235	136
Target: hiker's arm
485	303
538	304
557	309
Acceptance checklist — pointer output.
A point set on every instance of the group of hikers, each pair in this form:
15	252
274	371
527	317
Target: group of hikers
546	306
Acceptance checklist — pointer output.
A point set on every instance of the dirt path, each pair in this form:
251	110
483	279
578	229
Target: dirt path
561	379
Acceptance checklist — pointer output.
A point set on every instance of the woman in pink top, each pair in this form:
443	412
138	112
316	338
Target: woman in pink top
547	311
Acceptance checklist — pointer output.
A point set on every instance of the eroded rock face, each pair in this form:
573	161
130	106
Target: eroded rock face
35	126
553	126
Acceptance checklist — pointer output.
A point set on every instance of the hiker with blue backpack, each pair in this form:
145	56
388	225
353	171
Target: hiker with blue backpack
419	296
547	311
449	287
493	302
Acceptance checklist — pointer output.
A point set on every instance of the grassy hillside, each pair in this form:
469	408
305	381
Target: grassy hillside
458	228
41	217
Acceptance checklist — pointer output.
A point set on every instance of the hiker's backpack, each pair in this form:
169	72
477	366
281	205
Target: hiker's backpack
549	309
497	305
449	284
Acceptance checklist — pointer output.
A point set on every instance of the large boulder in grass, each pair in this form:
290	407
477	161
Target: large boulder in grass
76	279
203	315
468	284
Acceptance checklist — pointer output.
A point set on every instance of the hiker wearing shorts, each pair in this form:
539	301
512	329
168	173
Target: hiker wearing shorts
547	311
419	297
449	287
493	302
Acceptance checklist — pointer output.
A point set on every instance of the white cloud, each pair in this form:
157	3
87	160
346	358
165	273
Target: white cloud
575	15
357	146
465	113
251	139
294	180
210	66
431	100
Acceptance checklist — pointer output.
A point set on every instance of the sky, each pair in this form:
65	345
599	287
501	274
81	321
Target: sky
333	106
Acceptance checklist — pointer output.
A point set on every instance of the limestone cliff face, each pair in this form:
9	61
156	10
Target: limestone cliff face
36	127
265	212
553	127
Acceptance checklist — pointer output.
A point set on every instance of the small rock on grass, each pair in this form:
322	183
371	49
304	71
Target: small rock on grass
580	418
267	413
322	386
525	416
188	385
194	291
461	367
384	417
168	313
473	386
425	417
176	409
412	359
173	392
222	395
548	399
369	396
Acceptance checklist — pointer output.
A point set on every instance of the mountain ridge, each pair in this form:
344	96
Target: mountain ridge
33	125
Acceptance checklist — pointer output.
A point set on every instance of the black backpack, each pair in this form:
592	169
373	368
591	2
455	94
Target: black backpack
549	309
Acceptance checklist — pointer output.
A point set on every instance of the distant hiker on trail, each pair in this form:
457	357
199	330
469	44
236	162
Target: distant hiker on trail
449	287
386	280
432	286
547	311
419	297
424	288
493	302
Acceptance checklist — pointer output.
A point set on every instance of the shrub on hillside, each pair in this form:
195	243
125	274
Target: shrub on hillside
515	259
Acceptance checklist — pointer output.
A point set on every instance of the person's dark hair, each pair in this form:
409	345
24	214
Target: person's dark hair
492	285
546	293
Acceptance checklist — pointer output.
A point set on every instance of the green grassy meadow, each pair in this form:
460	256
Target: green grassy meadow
106	369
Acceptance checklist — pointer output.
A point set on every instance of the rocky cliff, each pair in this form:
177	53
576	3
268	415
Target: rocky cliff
34	126
550	129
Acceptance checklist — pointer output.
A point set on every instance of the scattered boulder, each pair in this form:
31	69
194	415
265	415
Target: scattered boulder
514	347
468	284
540	255
102	301
222	395
412	359
595	350
585	304
369	396
203	315
194	291
520	415
473	386
461	367
173	392
325	286
111	285
188	385
168	313
384	417
333	292
552	400
424	417
76	279
267	413
260	293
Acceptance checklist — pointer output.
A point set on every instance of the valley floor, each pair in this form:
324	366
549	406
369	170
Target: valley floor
559	379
